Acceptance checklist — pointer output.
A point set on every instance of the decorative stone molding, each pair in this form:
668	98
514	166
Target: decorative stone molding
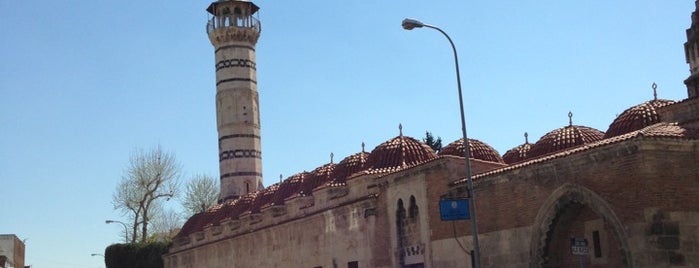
278	210
255	218
558	200
207	229
223	36
198	236
413	254
370	212
337	192
300	202
182	241
245	219
216	230
231	224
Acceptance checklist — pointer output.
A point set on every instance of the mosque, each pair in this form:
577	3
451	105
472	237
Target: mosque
626	197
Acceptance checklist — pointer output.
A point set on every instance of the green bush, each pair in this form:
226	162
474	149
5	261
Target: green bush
140	255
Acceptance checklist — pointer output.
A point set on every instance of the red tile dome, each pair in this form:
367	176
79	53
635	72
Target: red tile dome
636	117
564	138
478	150
398	153
518	153
263	198
194	224
348	166
288	188
213	216
316	178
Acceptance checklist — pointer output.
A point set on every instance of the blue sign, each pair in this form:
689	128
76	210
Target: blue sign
454	209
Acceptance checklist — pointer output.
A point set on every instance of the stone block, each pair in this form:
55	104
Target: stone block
671	228
669	242
676	259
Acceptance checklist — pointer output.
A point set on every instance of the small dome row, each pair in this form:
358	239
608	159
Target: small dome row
403	152
395	154
632	119
557	140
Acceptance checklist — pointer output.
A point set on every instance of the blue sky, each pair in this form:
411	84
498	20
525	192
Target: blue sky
83	83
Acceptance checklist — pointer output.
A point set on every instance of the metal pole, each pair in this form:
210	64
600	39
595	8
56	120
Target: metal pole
126	229
472	203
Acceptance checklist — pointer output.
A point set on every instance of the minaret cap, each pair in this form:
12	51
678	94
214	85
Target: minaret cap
253	8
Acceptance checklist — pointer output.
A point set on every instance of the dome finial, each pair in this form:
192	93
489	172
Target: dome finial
280	178
570	118
402	145
526	137
655	92
361	155
331	157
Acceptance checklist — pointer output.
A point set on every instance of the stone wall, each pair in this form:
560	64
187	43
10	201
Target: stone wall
324	239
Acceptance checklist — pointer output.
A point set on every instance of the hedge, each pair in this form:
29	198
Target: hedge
139	255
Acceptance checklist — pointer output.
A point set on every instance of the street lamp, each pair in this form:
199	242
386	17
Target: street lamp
410	24
126	229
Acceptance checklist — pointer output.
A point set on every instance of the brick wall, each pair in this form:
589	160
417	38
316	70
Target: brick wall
628	177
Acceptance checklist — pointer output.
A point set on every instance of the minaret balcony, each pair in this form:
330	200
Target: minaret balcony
233	22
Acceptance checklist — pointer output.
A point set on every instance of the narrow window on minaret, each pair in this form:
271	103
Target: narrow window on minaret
247	187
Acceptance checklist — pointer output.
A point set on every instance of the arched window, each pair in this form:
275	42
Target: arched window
400	211
400	226
412	209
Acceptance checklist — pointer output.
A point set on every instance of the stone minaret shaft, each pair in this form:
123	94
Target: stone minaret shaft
234	31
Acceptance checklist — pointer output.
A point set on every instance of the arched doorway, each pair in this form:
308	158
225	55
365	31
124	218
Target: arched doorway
573	212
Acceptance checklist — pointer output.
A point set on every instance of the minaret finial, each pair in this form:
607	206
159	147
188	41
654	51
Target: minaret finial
362	147
570	118
655	92
400	129
280	178
331	157
526	137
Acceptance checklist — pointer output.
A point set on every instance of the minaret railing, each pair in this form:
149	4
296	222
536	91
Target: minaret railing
237	22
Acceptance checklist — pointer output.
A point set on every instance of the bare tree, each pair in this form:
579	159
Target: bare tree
202	193
125	199
165	222
150	176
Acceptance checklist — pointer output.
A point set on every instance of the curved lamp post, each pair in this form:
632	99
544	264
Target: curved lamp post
126	229
410	24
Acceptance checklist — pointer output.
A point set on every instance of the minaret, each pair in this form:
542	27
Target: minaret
691	51
233	32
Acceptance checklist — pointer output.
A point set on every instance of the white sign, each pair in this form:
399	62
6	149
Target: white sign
578	246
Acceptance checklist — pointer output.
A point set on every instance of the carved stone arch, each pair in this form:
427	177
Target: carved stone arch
559	199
